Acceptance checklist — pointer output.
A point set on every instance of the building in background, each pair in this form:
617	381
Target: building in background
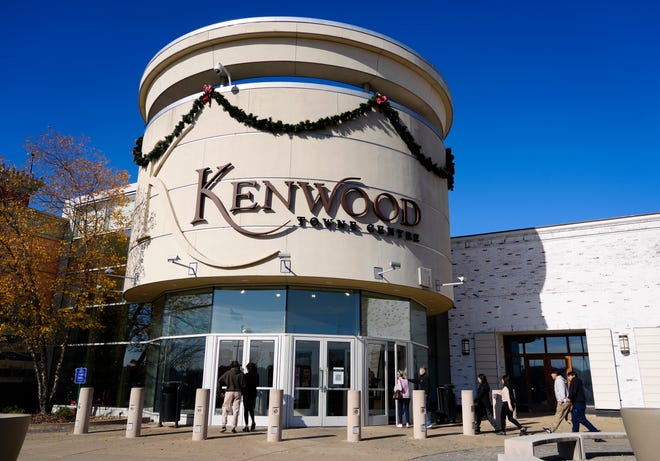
580	296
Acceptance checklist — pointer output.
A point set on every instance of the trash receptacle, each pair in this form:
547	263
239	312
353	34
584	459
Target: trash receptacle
446	403
170	407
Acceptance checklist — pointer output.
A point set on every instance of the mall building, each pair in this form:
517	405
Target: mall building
320	253
292	211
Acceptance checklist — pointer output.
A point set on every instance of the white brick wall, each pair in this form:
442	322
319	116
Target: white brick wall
592	275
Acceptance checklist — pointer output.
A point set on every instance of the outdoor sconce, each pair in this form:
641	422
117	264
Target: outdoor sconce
624	345
465	346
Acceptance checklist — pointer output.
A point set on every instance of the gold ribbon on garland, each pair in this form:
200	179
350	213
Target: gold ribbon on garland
277	127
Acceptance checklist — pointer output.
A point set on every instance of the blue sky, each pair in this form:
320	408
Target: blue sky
556	103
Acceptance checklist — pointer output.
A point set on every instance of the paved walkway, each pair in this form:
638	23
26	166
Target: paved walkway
382	443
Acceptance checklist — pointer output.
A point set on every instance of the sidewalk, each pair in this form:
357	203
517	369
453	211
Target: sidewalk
383	443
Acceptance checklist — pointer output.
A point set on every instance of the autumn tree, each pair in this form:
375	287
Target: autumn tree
62	223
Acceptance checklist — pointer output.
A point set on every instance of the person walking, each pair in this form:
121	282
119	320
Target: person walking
563	405
250	381
508	406
403	403
483	404
578	399
422	383
233	380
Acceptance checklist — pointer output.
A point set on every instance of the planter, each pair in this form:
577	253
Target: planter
642	428
13	428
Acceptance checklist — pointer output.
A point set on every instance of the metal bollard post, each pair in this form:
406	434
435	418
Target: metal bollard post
467	404
135	406
201	418
83	411
354	420
419	414
275	415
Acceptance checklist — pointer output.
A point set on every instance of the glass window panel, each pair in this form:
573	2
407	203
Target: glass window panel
376	370
182	361
515	346
535	345
187	313
420	359
248	311
322	312
556	344
418	324
387	317
581	366
262	354
306	379
578	344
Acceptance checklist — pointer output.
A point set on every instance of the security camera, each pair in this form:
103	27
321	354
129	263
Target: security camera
461	279
171	259
218	68
109	270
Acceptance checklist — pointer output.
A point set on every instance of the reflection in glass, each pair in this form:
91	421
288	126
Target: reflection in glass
582	367
418	323
535	345
322	312
187	313
182	360
228	351
556	344
578	344
386	317
376	371
248	311
306	378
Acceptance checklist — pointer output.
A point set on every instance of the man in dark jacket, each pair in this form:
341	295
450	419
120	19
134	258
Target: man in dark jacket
579	400
422	384
234	382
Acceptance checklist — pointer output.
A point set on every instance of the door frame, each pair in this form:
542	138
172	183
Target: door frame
321	419
210	376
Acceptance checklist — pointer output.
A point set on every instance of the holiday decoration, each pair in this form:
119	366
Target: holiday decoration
376	101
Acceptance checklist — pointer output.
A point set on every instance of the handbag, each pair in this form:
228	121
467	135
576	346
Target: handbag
397	395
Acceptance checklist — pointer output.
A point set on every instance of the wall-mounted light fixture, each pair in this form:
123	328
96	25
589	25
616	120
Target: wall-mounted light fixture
465	346
624	344
285	263
192	267
110	272
378	271
461	281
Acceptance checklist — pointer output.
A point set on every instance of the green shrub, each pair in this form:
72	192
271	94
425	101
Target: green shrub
65	413
12	409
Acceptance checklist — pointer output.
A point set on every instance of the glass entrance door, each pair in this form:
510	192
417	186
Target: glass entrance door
384	359
262	352
322	375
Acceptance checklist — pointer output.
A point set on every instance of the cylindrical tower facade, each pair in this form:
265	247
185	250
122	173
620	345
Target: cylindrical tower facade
319	163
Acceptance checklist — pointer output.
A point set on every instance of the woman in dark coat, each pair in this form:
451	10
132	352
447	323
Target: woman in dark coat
251	379
483	404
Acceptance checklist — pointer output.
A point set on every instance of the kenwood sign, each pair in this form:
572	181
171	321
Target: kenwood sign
378	214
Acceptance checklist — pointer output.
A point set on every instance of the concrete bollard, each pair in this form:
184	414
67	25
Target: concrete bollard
201	418
467	404
419	414
83	411
275	415
354	419
135	406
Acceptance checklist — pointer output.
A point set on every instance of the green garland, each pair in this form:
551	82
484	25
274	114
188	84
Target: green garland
377	101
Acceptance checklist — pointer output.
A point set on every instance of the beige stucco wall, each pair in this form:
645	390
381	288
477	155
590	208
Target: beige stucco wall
368	149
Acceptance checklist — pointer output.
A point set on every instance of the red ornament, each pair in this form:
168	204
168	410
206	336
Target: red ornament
208	92
380	99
